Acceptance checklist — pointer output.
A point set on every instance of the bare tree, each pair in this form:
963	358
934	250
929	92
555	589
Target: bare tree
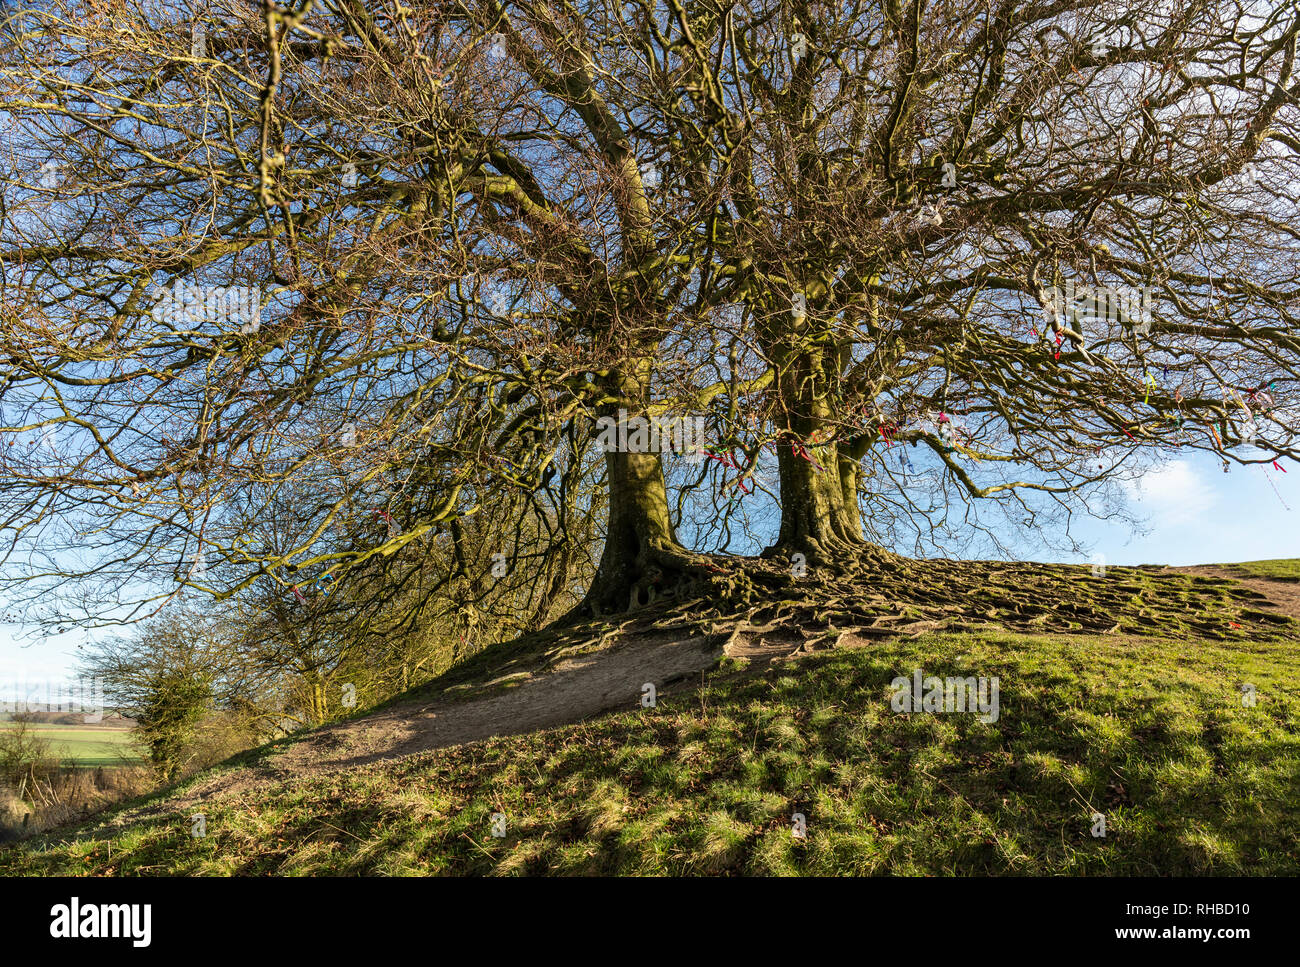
1044	243
1038	242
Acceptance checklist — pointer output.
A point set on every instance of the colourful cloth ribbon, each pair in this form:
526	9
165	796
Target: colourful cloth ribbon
727	461
799	451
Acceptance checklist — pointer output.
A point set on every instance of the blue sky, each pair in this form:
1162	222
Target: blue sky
1194	513
1197	514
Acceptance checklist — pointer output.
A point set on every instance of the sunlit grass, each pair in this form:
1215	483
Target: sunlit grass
1151	734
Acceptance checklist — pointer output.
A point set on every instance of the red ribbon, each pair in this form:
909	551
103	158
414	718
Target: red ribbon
799	451
1278	466
727	461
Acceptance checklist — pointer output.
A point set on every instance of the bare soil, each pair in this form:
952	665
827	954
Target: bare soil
1281	595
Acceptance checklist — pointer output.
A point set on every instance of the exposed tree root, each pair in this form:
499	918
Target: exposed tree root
872	590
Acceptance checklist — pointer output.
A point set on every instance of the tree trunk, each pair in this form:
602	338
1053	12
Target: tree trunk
642	559
640	545
819	508
819	485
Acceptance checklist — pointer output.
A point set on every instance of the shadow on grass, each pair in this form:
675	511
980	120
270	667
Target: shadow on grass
1189	780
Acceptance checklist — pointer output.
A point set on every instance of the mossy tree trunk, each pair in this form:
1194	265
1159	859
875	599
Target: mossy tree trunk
819	484
819	508
642	558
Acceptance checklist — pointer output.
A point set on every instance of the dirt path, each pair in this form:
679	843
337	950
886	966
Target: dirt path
1282	595
570	690
574	690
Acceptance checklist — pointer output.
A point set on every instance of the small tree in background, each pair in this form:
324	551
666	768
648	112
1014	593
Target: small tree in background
176	672
175	704
24	756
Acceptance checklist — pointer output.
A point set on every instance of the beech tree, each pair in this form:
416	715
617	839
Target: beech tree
1035	242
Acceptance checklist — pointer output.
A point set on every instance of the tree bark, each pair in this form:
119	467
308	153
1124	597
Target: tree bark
642	558
640	545
819	508
819	485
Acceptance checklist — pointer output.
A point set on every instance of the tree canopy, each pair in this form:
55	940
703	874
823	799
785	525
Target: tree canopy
336	294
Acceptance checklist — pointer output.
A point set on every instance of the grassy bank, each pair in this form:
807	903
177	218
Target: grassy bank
1152	733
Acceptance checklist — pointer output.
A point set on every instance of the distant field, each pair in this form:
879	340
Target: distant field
87	745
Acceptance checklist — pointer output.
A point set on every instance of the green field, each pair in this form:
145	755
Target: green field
87	745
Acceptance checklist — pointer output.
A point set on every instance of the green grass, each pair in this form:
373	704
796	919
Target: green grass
1150	732
1284	570
86	745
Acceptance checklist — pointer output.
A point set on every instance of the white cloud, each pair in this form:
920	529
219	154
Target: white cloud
1171	494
